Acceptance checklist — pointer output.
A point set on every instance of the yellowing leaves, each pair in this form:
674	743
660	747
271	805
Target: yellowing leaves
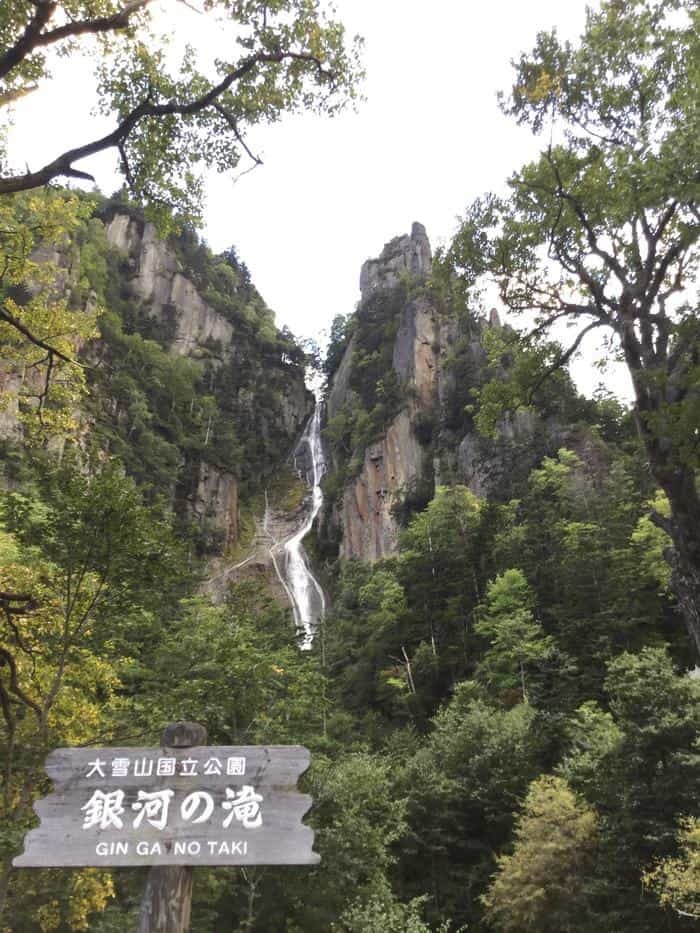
40	332
546	86
676	881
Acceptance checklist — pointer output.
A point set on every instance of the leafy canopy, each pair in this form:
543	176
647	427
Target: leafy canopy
176	112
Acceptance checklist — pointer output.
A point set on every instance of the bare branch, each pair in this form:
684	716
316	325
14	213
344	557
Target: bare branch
231	121
562	359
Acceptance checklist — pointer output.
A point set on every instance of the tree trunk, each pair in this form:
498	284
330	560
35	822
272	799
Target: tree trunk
653	392
684	557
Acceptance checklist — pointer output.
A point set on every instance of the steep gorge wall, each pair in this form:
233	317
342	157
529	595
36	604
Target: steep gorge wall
242	368
396	460
437	357
198	331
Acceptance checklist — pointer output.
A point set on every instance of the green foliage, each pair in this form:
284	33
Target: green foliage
175	115
524	378
602	231
82	553
676	881
381	913
516	639
338	339
375	393
639	766
461	785
234	668
442	800
543	885
41	380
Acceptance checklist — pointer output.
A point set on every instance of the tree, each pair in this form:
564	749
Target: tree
75	561
381	913
40	334
602	230
461	785
638	765
516	637
677	880
543	885
168	122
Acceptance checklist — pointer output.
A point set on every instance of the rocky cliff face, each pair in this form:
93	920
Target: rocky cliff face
390	465
407	256
397	459
219	420
435	357
157	281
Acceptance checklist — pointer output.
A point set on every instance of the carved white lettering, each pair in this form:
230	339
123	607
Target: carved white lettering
112	848
147	848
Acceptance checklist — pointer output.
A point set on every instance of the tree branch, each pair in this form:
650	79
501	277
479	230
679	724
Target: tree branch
37	341
63	165
14	682
591	237
9	97
231	121
661	522
28	40
33	37
119	20
563	359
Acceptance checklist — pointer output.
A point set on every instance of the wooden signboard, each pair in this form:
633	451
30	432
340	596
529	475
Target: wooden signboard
206	805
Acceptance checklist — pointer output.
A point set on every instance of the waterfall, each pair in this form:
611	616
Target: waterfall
308	601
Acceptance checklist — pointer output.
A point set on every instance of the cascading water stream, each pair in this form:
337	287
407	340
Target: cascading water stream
308	601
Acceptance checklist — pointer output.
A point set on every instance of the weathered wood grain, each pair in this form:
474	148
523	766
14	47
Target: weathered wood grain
167	901
281	765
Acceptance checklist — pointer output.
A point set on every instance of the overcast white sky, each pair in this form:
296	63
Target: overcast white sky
428	139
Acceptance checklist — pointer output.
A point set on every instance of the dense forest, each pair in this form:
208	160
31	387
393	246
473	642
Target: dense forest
502	700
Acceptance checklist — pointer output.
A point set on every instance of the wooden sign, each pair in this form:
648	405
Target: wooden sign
207	805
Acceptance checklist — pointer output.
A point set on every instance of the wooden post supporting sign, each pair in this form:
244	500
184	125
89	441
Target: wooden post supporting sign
167	900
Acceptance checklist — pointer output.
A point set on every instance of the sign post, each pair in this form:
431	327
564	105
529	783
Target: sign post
173	807
167	899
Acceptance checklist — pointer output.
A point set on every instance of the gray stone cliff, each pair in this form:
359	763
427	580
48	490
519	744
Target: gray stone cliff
158	283
153	277
397	460
426	340
407	256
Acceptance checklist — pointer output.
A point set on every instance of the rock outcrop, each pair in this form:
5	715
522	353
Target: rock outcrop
195	329
159	293
395	462
159	284
370	530
437	358
407	256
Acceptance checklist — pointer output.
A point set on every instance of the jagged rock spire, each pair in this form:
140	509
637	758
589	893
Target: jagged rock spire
407	255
